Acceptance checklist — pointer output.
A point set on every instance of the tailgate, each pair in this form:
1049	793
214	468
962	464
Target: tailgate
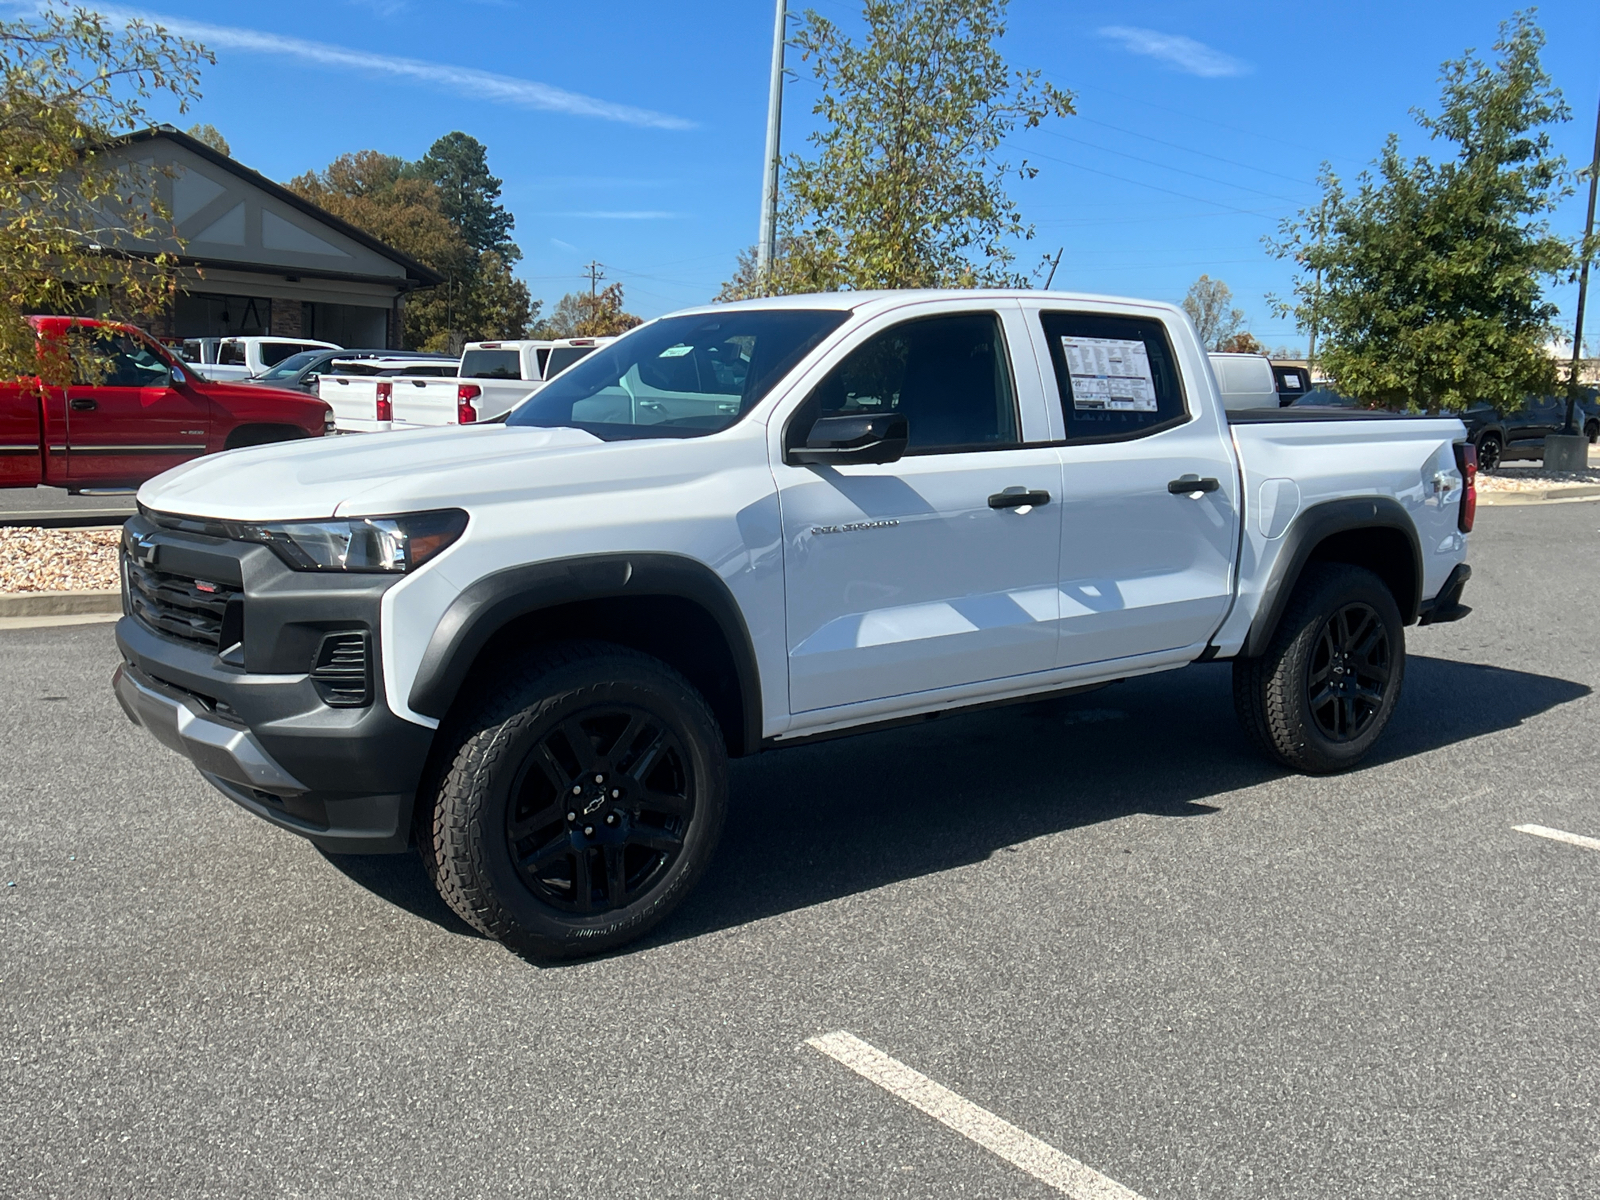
354	400
419	402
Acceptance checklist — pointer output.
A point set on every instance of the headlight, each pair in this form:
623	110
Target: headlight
396	544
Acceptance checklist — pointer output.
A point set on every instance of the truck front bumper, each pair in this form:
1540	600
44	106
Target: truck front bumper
255	718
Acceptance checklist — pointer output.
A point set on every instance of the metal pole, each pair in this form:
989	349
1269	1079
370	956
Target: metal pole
1583	285
766	244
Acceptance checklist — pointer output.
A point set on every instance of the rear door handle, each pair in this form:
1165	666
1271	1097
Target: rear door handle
1018	499
82	404
1190	484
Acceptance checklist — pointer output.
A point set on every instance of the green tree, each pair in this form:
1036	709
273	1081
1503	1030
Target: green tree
400	203
908	185
1210	306
582	314
207	133
458	165
71	82
1425	283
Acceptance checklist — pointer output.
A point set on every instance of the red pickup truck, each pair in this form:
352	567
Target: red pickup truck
150	412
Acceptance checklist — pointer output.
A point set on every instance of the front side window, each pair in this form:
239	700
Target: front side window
1116	375
491	364
680	376
273	353
126	362
231	354
948	376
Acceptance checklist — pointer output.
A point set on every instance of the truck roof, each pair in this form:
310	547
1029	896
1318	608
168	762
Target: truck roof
887	299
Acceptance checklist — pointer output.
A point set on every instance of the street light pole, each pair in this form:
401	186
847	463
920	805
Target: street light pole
766	244
1583	284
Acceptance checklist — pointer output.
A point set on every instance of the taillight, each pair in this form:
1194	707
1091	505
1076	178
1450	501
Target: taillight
466	393
385	401
1467	464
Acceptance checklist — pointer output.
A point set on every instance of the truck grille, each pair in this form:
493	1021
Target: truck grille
192	610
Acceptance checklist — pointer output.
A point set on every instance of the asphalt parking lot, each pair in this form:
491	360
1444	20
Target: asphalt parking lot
1102	920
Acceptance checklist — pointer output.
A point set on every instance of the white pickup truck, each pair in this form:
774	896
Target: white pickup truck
530	648
228	358
492	379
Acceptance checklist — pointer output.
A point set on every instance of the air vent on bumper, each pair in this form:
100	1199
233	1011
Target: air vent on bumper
342	674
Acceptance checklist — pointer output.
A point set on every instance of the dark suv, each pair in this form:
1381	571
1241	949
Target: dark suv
1520	434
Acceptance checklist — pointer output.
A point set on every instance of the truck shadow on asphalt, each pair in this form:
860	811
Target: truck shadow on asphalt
820	822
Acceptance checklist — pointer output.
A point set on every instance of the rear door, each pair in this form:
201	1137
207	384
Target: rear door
1146	561
134	423
20	433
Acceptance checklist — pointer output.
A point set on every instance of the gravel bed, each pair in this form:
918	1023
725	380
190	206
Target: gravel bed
1533	480
58	560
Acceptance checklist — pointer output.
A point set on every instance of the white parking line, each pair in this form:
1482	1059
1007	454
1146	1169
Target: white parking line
1039	1159
1559	835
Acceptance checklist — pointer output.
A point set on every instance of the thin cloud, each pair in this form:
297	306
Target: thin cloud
1188	55
618	215
560	245
467	81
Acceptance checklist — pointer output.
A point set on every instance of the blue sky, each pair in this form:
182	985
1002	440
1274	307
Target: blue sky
631	133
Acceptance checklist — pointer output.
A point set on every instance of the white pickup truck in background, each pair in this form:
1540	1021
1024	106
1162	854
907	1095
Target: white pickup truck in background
243	357
491	379
529	648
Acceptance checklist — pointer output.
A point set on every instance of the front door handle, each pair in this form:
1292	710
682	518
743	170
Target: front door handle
1189	485
1018	499
82	404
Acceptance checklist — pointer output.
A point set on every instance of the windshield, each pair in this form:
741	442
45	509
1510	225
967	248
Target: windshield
292	365
681	376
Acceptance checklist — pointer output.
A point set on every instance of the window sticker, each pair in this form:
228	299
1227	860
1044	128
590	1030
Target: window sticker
1110	374
677	351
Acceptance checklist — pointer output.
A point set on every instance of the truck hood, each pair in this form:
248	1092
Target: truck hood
366	474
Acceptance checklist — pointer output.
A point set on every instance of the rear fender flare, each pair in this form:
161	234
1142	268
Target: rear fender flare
1309	530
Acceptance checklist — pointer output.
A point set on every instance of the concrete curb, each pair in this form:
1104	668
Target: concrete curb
1557	495
66	519
59	604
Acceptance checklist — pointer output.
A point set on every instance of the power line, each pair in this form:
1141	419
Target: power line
1136	182
1168	167
1191	150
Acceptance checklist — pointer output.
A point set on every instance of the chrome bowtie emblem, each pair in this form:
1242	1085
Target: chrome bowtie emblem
142	548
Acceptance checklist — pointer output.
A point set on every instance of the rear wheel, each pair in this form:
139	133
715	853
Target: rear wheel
1327	685
583	800
1489	452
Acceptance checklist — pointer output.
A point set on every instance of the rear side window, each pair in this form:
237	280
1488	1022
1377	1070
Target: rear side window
491	364
273	353
1116	375
231	354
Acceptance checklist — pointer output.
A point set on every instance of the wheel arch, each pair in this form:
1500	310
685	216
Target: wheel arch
1374	532
669	606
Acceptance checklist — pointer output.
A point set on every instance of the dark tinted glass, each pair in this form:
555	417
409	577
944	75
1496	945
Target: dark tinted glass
680	376
273	353
948	376
562	357
128	362
292	365
491	364
231	354
1116	375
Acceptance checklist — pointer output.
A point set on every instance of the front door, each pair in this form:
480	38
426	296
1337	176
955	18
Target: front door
1146	562
134	423
923	573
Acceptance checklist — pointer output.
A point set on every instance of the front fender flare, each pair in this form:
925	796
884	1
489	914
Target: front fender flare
488	605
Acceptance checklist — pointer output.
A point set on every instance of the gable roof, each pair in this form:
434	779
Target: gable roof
417	273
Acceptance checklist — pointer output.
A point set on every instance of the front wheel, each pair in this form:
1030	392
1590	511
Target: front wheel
1328	683
583	800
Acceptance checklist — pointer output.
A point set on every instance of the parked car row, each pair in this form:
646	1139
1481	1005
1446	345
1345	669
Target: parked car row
241	357
491	379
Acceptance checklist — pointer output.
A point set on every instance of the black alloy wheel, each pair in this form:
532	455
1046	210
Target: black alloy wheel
1324	687
581	790
1488	452
600	809
1348	673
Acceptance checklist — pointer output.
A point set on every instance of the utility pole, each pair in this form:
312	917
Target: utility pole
767	242
1583	285
595	276
1049	279
1316	294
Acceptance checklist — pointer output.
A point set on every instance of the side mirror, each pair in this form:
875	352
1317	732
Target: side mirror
177	377
863	438
311	381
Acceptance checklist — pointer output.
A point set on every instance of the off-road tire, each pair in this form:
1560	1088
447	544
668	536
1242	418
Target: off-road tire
462	835
1271	693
